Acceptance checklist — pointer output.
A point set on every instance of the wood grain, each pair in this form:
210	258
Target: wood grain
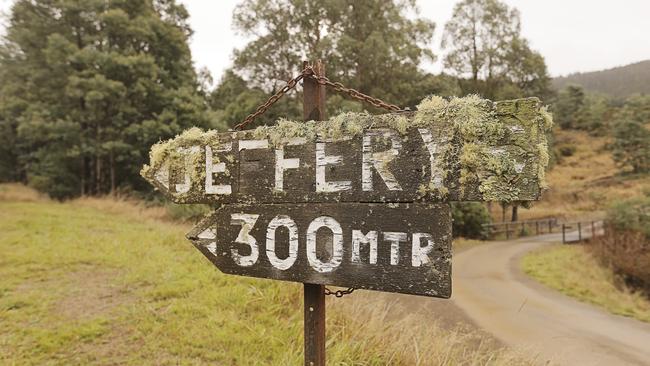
398	265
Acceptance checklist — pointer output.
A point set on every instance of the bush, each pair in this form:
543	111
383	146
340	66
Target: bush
631	147
468	219
567	150
631	215
625	247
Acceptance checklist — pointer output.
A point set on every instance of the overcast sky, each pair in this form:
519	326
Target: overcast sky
573	35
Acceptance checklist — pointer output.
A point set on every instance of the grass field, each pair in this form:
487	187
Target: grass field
571	270
96	281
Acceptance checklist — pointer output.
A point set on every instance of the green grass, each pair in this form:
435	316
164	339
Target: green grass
108	282
571	270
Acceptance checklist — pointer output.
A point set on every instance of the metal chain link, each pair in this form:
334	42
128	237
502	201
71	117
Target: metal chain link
339	293
355	94
308	72
274	98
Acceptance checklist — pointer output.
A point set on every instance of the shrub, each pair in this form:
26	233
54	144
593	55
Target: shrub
625	247
631	215
631	147
468	219
567	150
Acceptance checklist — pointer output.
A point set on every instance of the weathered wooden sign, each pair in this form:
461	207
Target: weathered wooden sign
359	200
402	248
466	149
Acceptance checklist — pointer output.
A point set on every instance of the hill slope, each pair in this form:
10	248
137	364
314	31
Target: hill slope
584	184
618	82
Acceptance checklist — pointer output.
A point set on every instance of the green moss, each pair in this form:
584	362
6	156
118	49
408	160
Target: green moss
487	144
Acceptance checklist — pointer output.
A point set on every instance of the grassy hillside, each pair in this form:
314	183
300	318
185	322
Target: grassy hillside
617	82
105	282
583	184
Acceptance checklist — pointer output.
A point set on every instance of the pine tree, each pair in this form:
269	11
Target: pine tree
89	85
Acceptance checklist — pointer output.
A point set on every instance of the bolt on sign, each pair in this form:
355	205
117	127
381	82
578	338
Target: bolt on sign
359	200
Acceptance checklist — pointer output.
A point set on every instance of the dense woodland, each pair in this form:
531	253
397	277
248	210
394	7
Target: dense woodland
88	86
619	82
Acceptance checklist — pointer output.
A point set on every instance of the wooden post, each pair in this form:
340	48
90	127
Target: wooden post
314	295
550	226
536	227
507	232
593	230
579	231
563	235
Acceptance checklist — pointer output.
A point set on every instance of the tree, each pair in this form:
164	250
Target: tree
90	85
372	46
233	100
526	70
468	219
567	109
486	51
631	147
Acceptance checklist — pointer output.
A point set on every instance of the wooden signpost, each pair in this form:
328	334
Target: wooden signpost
359	200
396	248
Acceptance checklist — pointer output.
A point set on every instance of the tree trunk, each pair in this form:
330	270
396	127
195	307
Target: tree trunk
112	168
98	174
515	212
98	161
503	211
82	184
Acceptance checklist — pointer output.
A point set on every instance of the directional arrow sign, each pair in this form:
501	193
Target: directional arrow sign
397	248
462	150
359	200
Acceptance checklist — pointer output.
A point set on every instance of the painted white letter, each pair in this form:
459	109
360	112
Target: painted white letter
247	221
370	239
282	164
432	147
322	161
210	169
394	238
253	144
379	160
337	244
419	253
278	221
187	165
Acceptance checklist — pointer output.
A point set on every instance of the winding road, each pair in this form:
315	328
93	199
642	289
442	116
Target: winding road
490	288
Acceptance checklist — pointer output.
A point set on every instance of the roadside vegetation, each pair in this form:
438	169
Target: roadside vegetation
103	281
574	271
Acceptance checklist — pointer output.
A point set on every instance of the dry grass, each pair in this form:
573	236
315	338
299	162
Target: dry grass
19	193
572	270
124	206
583	185
461	244
411	338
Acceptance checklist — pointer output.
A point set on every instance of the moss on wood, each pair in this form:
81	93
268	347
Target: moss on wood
492	150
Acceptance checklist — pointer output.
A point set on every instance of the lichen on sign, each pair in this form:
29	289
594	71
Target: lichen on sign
448	150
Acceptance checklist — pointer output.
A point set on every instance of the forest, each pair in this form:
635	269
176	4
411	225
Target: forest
88	86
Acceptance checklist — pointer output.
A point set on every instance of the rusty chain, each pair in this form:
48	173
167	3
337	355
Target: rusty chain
308	71
339	293
274	98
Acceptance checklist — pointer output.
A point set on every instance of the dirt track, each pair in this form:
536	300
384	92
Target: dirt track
496	296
